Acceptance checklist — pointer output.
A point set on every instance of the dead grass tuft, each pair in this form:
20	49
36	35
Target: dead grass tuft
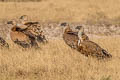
56	60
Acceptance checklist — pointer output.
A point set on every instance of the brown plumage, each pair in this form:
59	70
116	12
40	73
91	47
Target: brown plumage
86	47
31	23
85	37
70	37
89	48
18	37
3	43
33	29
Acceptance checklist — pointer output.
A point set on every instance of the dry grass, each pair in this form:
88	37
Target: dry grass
63	10
56	61
20	0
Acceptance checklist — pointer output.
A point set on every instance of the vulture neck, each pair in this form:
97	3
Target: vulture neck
68	29
13	28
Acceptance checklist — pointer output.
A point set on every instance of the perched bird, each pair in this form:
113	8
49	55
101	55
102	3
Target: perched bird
86	47
34	29
3	43
19	37
70	37
90	48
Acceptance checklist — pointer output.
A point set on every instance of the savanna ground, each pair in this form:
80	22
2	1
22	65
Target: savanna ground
55	60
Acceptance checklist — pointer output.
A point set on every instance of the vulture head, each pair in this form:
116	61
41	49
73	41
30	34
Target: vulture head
66	27
23	19
13	22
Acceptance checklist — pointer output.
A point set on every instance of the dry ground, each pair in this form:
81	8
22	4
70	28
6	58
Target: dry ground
63	10
56	61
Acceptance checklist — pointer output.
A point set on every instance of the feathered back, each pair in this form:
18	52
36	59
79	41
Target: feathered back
67	29
70	37
89	48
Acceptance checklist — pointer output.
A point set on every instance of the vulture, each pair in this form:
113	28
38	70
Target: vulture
18	37
30	30
70	37
90	48
85	46
33	29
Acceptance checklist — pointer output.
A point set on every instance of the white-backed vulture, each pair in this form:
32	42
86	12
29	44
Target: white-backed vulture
33	29
90	48
86	47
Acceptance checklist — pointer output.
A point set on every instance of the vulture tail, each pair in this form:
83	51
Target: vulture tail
106	54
